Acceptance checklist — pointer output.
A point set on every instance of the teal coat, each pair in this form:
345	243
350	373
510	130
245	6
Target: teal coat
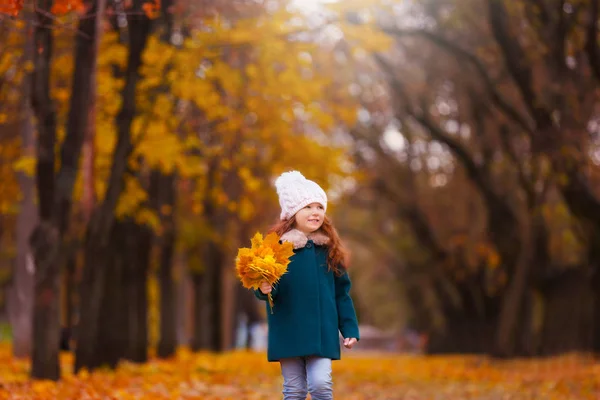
311	304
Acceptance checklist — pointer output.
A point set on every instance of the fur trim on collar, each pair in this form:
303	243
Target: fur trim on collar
299	239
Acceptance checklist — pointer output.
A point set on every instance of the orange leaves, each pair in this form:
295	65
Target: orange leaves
61	7
266	260
152	9
11	7
244	375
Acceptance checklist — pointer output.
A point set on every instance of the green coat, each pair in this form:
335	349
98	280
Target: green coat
310	305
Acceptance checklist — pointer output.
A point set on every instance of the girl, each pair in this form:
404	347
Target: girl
311	301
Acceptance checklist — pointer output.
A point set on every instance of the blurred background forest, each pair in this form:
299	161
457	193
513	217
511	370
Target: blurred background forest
458	140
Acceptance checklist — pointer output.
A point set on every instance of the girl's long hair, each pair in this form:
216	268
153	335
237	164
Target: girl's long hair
337	256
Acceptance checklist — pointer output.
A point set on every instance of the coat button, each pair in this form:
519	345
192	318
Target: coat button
308	245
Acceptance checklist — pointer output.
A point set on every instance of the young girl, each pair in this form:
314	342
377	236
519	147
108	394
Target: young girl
311	301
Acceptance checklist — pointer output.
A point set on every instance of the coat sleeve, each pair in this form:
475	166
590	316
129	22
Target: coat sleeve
261	296
347	321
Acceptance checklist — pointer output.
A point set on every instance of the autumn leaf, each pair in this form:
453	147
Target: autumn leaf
26	164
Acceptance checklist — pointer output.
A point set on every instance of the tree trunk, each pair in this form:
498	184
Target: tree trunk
568	313
198	337
470	324
102	221
44	240
46	320
122	325
511	313
168	324
113	331
596	312
463	336
20	295
227	309
55	195
183	303
207	302
137	292
208	324
527	340
68	297
91	292
214	290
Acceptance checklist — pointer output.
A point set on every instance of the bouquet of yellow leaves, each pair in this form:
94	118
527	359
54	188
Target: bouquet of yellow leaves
266	260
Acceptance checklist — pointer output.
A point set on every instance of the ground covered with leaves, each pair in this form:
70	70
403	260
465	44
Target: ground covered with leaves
359	376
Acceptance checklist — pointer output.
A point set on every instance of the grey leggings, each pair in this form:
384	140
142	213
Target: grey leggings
305	375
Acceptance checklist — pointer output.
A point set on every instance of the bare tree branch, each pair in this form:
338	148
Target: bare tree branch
438	134
525	182
481	69
478	112
562	28
501	216
516	63
591	44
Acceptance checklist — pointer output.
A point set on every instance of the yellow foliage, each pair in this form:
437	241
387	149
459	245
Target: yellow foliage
26	164
246	209
13	69
132	198
146	216
247	108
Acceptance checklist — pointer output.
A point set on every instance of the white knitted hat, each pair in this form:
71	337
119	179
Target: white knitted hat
296	192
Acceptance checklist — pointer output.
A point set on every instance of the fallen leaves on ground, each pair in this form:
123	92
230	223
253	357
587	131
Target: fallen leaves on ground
359	376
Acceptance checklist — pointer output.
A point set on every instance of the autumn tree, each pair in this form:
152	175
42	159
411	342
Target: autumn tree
506	139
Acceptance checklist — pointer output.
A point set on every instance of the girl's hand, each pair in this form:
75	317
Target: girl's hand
349	342
265	287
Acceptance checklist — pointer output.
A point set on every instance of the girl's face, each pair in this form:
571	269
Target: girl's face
310	218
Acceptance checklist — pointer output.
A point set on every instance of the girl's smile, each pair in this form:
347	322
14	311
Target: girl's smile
310	218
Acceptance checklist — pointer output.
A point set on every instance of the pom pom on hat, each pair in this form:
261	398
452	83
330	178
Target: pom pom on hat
296	192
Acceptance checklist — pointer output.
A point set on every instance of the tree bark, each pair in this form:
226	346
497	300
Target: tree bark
138	261
166	208
511	312
182	301
208	284
44	240
168	324
595	282
568	313
69	290
113	332
207	302
213	296
200	321
20	295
